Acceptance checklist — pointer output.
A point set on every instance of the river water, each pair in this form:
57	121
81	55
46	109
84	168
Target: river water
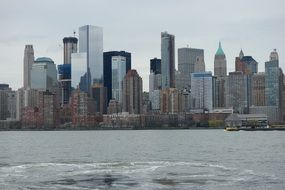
142	159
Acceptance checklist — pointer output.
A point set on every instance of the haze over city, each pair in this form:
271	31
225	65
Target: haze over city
256	27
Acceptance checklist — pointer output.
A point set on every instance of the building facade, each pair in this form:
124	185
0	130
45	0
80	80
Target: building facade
220	63
118	74
69	47
202	91
108	62
132	93
87	64
44	75
167	60
28	63
258	89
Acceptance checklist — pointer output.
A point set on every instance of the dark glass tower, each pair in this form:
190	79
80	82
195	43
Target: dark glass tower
155	66
108	68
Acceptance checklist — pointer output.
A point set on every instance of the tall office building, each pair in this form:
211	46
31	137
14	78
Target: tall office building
167	60
44	75
99	95
170	100
108	62
238	87
64	70
64	77
69	47
7	103
118	74
220	63
258	89
274	83
87	64
132	93
28	62
190	60
155	66
246	64
220	73
202	91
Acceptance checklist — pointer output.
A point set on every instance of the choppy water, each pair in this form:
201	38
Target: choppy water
154	159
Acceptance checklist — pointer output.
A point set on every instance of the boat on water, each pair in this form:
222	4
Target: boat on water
231	129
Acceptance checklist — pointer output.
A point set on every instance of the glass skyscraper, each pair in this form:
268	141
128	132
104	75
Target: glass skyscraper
89	58
167	60
118	74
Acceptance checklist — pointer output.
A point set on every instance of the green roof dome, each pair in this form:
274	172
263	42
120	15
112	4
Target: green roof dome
220	50
44	60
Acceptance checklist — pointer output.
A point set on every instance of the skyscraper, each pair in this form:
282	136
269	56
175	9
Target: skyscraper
28	62
246	64
272	74
108	61
258	89
118	74
69	47
87	64
132	93
44	75
167	60
238	88
220	72
155	66
190	60
201	90
220	63
99	95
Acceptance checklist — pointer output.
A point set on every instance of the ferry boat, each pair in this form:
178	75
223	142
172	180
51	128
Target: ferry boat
231	129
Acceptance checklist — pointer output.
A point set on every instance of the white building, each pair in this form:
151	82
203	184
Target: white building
154	98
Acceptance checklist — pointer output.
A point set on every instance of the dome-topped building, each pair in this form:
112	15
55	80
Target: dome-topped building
44	60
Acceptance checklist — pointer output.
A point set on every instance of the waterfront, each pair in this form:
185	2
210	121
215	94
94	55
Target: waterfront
145	159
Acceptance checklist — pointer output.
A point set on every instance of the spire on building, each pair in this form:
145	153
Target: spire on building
220	50
241	54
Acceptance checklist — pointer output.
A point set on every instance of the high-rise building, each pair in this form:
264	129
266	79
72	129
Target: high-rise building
64	70
44	75
64	77
238	87
170	100
246	64
167	60
118	74
155	66
202	91
28	62
87	64
69	47
190	60
272	74
220	72
154	81
258	89
220	63
99	94
26	98
108	62
274	83
7	103
132	93
219	92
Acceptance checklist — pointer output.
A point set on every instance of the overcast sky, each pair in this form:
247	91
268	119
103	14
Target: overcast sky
256	26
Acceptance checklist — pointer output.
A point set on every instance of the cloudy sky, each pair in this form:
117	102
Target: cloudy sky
256	26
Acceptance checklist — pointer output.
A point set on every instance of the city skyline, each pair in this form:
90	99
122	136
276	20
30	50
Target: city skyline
264	31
